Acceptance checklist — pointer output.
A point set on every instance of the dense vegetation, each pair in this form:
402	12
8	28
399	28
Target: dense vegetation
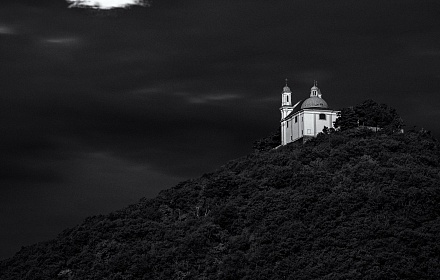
370	114
350	204
270	142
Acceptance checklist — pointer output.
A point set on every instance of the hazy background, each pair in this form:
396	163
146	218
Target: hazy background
98	109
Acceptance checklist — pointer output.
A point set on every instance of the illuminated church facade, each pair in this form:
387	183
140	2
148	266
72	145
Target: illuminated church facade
306	118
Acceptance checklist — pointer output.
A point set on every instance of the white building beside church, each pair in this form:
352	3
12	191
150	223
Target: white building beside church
306	118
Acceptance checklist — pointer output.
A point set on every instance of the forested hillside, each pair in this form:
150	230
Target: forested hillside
350	204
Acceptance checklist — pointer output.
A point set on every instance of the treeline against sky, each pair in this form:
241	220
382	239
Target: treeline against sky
349	204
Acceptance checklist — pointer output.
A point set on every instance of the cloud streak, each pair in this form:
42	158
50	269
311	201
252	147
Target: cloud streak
107	4
210	97
6	30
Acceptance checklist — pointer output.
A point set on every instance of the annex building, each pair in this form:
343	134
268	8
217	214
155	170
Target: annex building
306	118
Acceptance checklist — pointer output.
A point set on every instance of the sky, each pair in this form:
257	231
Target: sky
99	108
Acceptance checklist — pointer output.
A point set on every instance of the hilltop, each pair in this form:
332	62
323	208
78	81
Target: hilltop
351	204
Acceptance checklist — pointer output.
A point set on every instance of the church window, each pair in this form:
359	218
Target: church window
287	98
287	124
322	116
296	119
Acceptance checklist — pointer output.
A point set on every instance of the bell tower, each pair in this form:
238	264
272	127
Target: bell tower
286	109
286	101
315	91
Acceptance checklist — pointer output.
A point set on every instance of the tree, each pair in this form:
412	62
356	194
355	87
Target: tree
347	118
369	113
269	142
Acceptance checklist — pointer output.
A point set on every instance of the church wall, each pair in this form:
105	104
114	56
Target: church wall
285	112
314	125
328	122
283	133
285	136
289	131
286	132
321	123
309	124
296	127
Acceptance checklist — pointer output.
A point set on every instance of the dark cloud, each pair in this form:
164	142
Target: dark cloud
94	105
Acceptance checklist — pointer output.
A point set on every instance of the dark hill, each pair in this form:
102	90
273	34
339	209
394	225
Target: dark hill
347	205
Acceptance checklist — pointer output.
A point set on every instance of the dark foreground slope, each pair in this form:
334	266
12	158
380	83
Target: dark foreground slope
350	205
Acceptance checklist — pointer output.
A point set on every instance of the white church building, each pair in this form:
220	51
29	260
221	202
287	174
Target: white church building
306	118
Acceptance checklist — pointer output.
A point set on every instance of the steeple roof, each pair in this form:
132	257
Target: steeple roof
315	100
286	88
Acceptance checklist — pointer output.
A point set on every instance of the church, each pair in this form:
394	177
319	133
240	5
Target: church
306	118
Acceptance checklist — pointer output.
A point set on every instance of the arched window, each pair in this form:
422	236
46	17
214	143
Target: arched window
322	116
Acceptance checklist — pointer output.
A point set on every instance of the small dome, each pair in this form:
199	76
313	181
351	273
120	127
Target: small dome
314	102
286	89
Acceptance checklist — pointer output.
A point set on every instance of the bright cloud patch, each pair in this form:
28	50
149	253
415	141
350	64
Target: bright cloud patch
6	30
107	4
62	41
209	97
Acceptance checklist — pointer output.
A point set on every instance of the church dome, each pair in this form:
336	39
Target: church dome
314	102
